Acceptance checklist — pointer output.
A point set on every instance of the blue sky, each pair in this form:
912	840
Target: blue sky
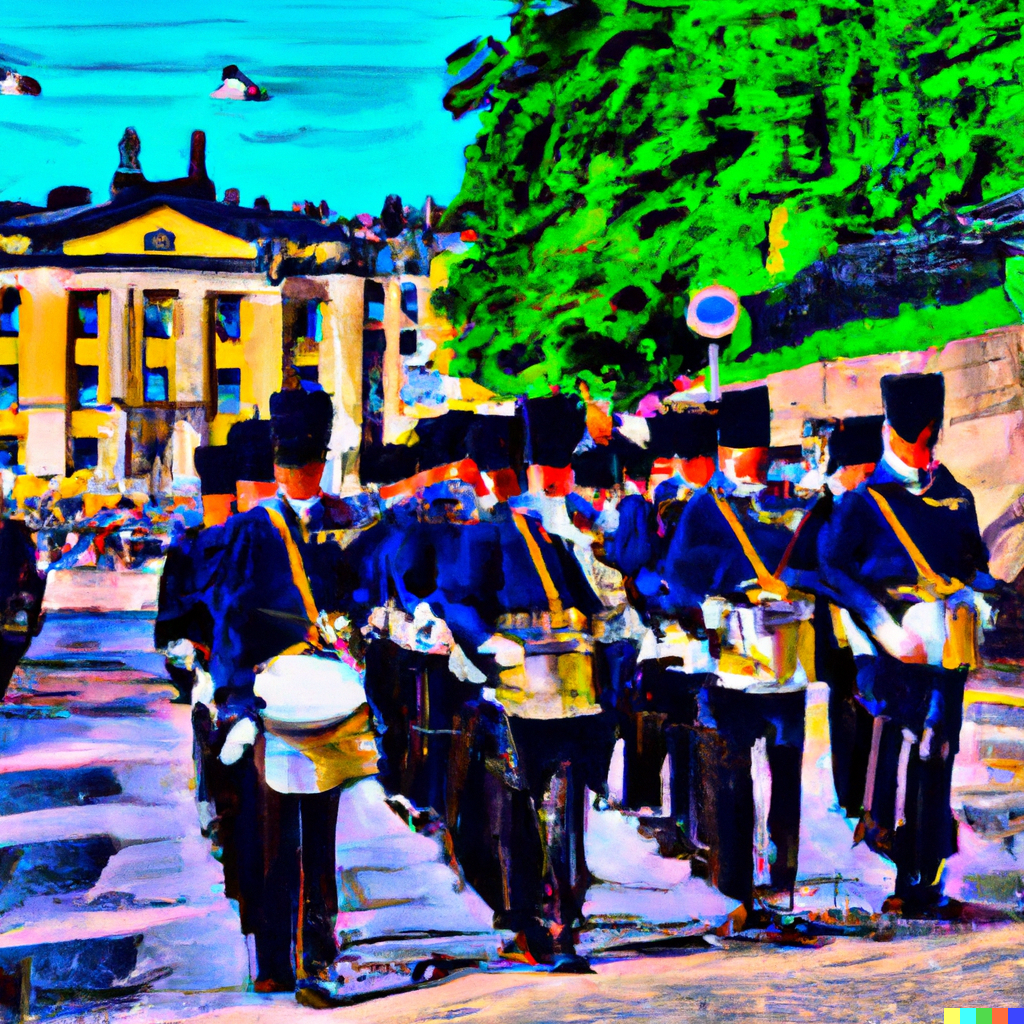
356	110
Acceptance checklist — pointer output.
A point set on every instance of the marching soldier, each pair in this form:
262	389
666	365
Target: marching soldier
426	549
854	449
549	739
272	585
904	556
730	547
674	656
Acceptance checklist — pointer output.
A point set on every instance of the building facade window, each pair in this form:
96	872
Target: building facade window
8	386
226	354
88	386
10	328
229	391
410	302
229	318
8	452
87	322
409	335
85	452
159	330
10	319
373	305
303	326
374	347
84	349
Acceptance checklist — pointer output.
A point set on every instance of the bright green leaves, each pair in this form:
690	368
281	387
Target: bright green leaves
645	146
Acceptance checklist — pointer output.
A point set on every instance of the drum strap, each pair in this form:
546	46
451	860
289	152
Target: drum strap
298	571
765	580
941	586
537	557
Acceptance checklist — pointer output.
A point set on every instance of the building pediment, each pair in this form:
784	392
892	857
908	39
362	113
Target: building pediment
165	231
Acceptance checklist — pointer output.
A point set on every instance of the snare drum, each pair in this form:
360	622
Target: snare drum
319	731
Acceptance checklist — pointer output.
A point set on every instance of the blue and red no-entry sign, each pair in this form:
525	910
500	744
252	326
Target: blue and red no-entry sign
713	312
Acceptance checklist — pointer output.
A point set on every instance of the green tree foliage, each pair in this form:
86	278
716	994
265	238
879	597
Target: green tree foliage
631	152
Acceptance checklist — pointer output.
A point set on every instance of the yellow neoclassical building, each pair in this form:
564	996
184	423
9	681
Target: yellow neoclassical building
139	328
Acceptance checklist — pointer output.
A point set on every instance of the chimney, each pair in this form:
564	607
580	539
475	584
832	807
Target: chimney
232	197
197	157
262	204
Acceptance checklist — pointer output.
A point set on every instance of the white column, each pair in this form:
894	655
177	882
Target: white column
45	443
117	343
190	349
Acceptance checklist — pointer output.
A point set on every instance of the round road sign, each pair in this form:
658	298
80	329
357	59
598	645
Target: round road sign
713	312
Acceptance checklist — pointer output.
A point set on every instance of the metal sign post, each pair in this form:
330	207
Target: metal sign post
713	313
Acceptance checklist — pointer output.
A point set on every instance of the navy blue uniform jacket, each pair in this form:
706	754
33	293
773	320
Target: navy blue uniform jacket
230	589
861	558
484	570
705	558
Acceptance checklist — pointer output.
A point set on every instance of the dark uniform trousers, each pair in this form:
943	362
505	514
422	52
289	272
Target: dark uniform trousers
21	589
517	811
665	702
911	699
278	854
849	724
10	654
730	723
417	698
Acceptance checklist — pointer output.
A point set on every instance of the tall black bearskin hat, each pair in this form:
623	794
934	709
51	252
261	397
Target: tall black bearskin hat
855	441
300	423
495	442
253	447
683	435
555	426
217	468
745	419
914	401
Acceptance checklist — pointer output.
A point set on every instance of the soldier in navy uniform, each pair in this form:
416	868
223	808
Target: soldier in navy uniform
660	708
904	556
854	449
723	567
519	827
676	658
234	595
420	546
389	594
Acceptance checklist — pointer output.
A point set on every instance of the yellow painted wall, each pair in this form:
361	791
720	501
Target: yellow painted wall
263	350
42	365
102	346
257	353
191	238
89	422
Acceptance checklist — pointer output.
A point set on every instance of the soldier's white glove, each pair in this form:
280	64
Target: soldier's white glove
507	653
182	654
462	668
986	613
203	688
242	735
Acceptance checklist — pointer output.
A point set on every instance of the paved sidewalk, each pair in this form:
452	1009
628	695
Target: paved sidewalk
108	884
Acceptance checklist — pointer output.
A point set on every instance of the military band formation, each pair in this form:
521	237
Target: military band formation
481	643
